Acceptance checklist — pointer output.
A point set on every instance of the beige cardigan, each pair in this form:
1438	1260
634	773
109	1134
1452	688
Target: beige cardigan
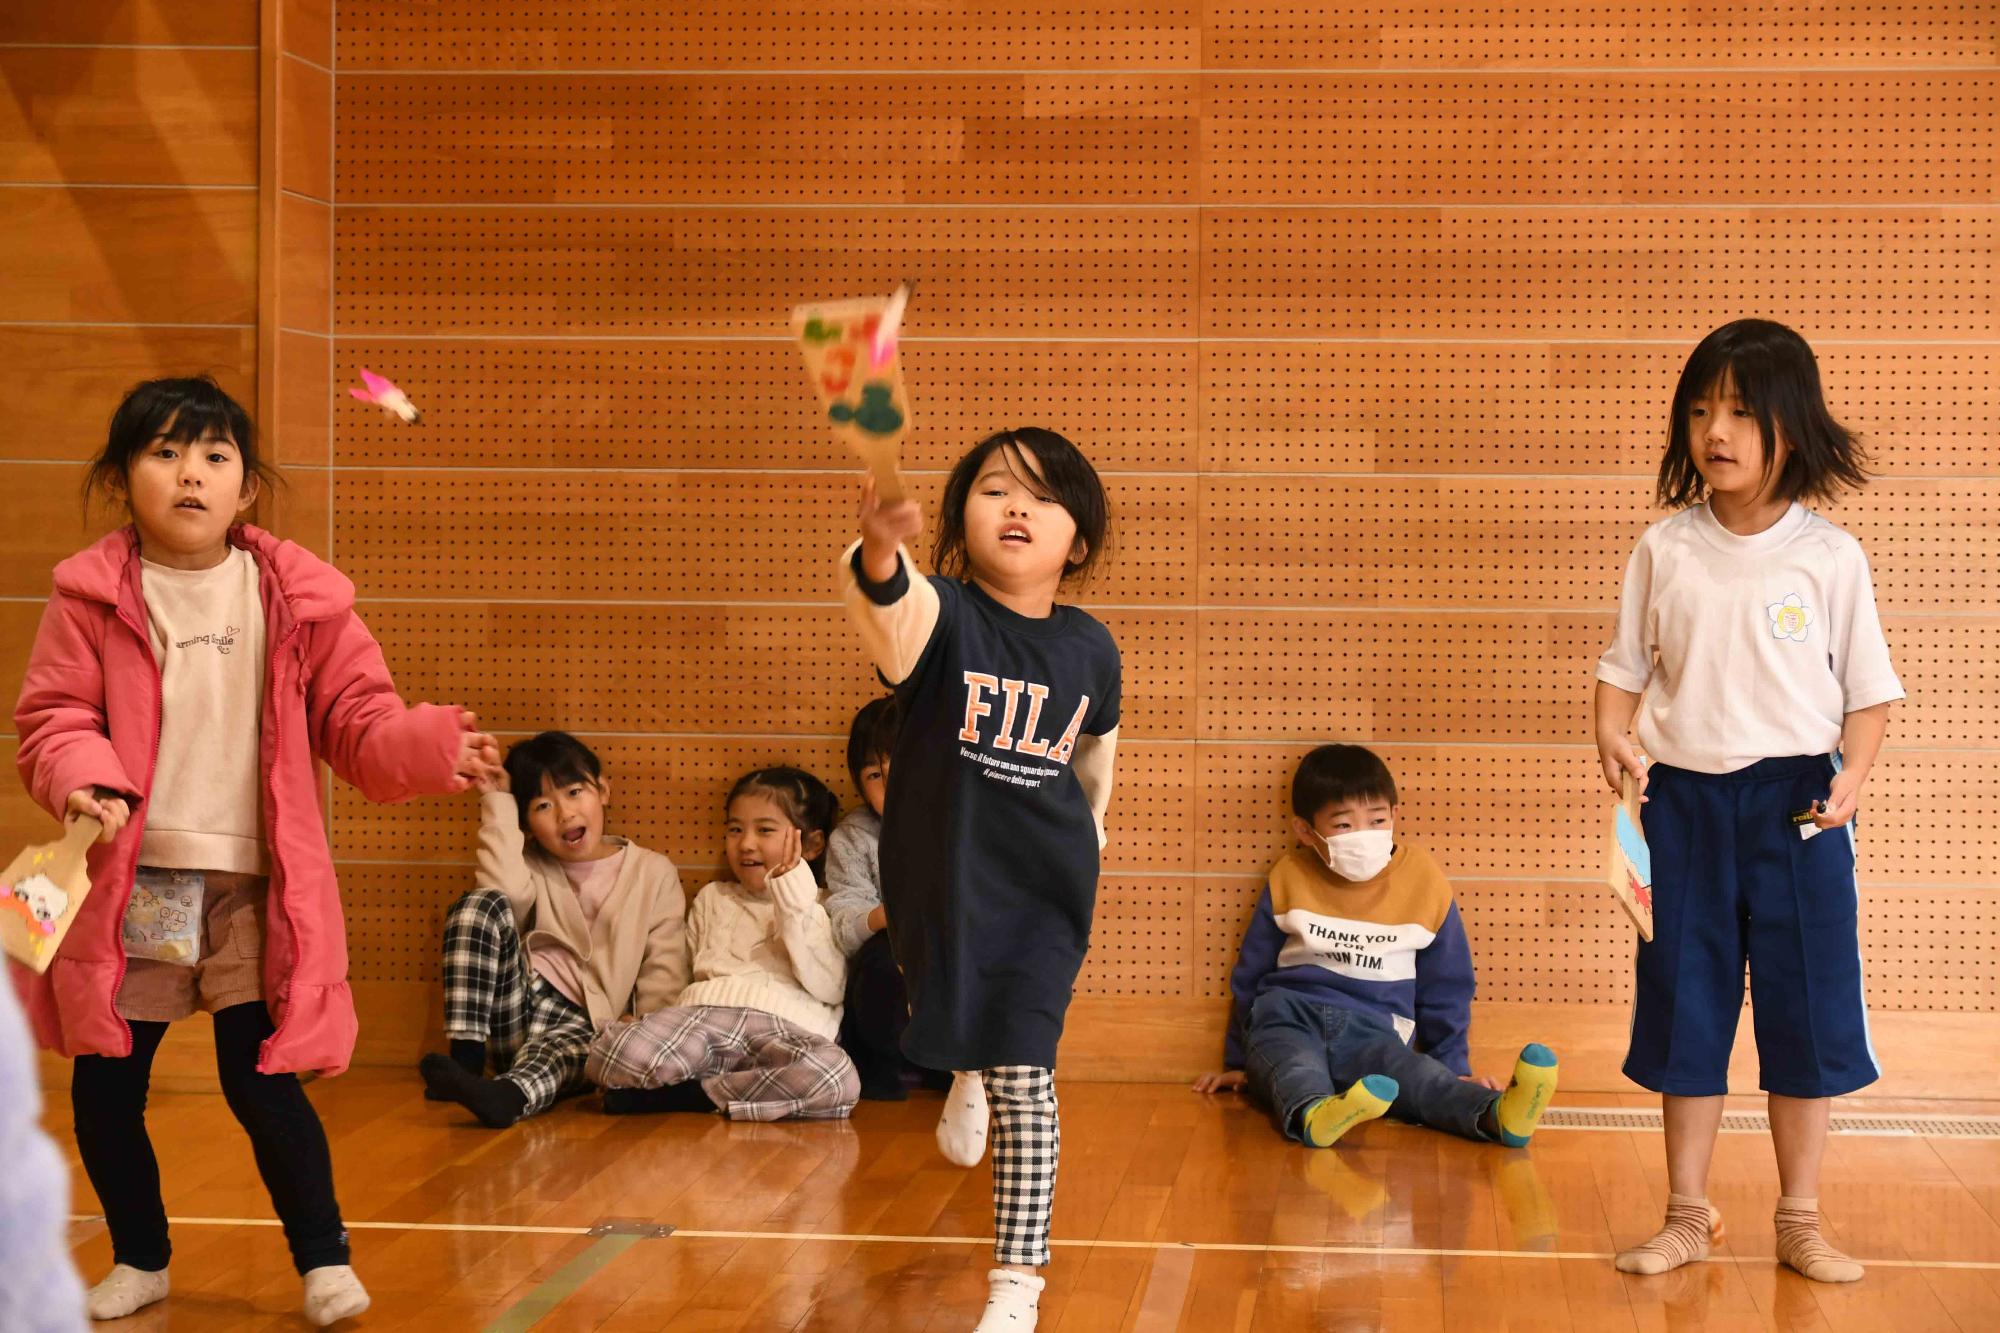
635	959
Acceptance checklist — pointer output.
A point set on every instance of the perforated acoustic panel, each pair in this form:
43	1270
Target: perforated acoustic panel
1120	34
1169	138
1369	314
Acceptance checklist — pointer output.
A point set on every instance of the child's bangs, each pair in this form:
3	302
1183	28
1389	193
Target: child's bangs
1056	470
1015	459
567	770
1726	372
196	421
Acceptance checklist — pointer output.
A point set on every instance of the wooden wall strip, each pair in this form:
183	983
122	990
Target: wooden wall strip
129	117
128	256
1538	811
1901	137
738	405
1302	407
306	29
1555	407
1553	543
599	272
683	535
43	521
1574	272
169	22
1225	675
734	667
1488	811
1267	541
1105	34
79	375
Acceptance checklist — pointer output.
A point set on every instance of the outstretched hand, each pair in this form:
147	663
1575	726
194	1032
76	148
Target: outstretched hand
884	527
1228	1080
478	763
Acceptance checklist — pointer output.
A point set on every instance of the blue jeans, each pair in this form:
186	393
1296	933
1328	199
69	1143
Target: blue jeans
1297	1051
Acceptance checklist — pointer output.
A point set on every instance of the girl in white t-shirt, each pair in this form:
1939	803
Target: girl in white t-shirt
1749	648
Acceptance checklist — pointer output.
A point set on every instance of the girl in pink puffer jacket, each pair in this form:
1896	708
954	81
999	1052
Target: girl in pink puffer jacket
188	671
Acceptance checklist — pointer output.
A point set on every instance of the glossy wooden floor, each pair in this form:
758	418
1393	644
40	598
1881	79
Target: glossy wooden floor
1172	1212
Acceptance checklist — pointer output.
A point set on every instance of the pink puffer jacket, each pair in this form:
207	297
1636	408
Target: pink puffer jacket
89	715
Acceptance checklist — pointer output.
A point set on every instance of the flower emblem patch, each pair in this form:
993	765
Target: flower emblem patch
1790	619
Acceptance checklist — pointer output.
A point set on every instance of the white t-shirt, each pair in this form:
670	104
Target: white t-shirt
1764	643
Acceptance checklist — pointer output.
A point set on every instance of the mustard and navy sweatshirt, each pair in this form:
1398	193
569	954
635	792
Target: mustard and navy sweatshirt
1392	946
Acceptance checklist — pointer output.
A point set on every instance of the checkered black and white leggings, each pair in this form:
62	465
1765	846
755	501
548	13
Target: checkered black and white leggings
535	1034
1026	1139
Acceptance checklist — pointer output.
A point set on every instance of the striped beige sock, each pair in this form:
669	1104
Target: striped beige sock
1691	1227
1801	1247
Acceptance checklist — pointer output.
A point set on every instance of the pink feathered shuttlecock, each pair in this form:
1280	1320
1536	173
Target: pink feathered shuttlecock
883	350
386	396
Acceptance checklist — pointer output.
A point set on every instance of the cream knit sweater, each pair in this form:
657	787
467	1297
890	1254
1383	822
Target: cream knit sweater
772	951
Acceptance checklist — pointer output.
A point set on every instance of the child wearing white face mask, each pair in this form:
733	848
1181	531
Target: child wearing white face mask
1356	948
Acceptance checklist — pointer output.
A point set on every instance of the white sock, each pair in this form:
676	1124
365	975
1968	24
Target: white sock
123	1290
961	1130
1012	1302
333	1293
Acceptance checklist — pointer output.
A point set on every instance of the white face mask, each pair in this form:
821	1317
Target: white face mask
1357	856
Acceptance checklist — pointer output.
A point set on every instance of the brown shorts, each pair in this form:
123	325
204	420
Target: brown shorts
230	970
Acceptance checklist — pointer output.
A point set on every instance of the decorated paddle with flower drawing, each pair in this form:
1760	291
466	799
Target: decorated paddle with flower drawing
40	892
852	354
1629	862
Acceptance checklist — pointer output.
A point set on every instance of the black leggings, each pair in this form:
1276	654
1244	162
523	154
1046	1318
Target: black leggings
108	1097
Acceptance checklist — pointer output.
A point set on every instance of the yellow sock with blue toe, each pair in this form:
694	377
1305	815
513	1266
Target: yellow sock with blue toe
1330	1117
1520	1108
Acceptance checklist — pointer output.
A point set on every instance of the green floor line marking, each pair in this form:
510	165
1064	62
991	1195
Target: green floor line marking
560	1285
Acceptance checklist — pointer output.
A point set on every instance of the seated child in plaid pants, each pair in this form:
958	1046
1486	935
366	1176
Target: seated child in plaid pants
753	1033
559	938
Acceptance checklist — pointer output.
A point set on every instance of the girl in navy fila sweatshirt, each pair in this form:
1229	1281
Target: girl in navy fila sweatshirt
992	828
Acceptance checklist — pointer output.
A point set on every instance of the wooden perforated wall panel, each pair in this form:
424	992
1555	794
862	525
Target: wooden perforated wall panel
129	135
1369	313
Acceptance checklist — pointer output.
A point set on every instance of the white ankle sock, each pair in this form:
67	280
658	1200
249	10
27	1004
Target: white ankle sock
961	1130
123	1290
333	1293
1012	1302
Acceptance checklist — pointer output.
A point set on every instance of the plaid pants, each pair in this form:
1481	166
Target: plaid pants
533	1032
753	1065
1026	1138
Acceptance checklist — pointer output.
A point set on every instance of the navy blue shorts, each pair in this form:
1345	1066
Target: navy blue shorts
1733	883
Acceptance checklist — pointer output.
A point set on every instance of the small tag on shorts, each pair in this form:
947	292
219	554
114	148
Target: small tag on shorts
1803	821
